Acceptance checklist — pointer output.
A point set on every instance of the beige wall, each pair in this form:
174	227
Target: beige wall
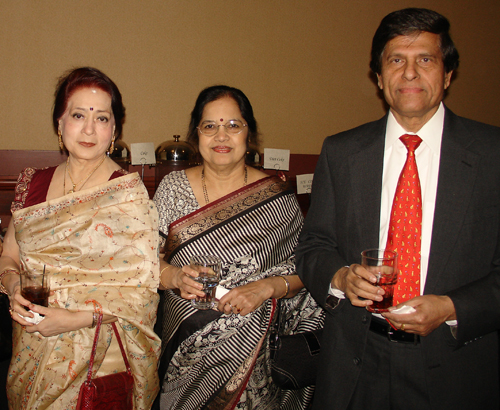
303	64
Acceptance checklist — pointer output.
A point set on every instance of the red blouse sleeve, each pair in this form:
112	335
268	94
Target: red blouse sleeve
32	187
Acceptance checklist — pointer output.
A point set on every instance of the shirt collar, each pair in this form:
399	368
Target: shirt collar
431	133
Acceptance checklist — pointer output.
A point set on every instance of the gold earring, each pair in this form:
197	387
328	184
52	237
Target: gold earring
112	146
61	143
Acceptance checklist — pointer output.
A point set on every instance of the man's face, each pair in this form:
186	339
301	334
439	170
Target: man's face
413	78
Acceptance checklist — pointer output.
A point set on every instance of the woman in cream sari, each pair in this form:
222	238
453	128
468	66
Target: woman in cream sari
93	228
219	359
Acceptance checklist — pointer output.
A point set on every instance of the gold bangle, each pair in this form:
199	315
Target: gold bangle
95	316
287	284
161	273
3	289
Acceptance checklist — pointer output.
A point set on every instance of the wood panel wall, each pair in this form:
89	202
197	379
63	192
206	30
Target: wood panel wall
12	162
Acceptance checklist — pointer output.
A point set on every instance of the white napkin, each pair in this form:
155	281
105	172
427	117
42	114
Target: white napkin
34	320
220	291
404	310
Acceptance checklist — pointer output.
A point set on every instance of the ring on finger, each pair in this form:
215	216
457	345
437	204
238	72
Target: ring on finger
231	306
403	327
11	311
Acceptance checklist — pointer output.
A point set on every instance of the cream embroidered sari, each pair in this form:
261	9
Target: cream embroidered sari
100	246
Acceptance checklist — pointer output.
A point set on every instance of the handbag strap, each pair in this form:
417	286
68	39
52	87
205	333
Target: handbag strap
94	346
279	313
118	338
274	336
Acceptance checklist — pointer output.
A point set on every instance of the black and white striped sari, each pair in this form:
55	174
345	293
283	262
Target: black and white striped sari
224	364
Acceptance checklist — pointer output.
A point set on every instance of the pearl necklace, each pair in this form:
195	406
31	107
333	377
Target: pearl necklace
84	180
204	186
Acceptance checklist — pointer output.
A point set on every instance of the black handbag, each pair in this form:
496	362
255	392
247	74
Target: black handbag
294	358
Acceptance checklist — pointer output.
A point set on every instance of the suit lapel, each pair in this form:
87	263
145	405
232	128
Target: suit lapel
365	168
457	174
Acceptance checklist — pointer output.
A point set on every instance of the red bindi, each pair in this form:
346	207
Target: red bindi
222	119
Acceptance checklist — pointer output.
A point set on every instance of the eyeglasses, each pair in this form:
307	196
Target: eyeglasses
210	128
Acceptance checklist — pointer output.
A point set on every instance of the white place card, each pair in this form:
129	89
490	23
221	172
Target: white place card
304	183
278	159
142	153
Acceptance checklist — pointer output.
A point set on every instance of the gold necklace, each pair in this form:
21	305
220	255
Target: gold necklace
84	180
204	186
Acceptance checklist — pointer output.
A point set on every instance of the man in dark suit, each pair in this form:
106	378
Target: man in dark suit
444	353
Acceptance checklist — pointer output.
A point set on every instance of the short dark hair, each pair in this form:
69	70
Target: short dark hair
85	77
217	92
410	21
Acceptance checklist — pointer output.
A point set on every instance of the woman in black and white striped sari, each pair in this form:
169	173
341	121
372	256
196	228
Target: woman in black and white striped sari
220	358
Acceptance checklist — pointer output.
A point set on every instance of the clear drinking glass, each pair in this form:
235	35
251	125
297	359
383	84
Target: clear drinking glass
384	265
209	270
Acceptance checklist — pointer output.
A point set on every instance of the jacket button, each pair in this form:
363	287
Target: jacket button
364	319
356	361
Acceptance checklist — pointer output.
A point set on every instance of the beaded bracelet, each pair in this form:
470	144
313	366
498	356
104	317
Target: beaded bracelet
3	289
287	284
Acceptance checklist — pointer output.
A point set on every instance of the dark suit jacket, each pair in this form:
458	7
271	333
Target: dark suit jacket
464	260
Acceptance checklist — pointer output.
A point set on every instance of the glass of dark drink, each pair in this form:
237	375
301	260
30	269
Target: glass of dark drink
35	287
384	265
209	270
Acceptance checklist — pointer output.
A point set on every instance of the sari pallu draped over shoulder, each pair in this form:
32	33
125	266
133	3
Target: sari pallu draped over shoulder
225	365
100	246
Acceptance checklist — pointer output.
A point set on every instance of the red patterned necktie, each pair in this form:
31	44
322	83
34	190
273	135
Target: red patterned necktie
405	228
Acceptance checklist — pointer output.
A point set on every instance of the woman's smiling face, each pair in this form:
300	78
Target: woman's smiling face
88	124
222	148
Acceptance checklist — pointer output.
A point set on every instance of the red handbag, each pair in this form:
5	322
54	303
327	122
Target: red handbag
111	392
